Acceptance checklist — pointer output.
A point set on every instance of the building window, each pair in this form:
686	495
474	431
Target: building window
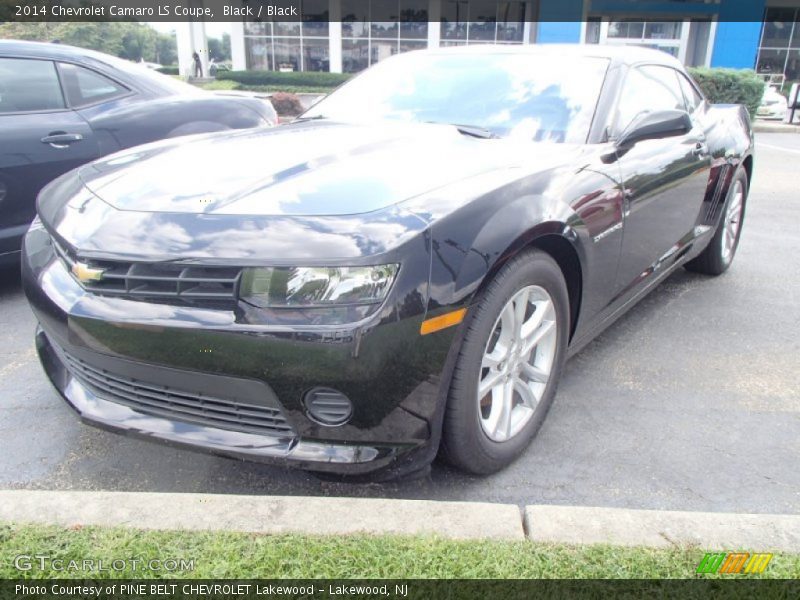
779	50
376	29
661	35
290	46
686	40
481	22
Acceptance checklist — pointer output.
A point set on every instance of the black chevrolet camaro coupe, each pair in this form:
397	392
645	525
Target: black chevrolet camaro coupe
402	271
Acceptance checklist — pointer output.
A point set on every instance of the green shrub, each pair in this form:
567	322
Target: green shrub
294	78
218	85
168	70
730	86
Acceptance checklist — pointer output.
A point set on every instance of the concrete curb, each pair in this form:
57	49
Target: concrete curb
775	127
454	520
264	514
658	528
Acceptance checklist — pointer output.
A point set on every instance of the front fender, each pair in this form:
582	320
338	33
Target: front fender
574	211
476	240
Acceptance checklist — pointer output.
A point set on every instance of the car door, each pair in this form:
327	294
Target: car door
664	179
97	98
41	139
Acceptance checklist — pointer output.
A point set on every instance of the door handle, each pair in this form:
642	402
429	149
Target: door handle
58	139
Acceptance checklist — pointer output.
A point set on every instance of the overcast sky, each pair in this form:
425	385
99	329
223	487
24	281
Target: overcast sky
212	29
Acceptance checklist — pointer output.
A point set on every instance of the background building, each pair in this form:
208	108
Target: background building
349	35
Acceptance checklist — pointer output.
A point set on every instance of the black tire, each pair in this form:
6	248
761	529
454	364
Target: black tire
464	443
713	261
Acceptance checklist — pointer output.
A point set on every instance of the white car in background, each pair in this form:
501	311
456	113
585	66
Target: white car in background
773	105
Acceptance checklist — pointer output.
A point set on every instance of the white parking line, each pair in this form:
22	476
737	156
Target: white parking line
778	147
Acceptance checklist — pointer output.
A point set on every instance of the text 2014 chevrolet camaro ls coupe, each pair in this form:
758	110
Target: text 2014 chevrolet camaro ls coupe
403	270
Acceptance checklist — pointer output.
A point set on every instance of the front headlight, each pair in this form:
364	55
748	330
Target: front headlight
324	294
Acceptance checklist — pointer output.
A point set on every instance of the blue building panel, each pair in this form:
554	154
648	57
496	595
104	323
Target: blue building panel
736	44
739	23
558	32
658	8
738	34
560	22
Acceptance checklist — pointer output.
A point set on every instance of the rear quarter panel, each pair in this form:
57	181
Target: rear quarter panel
131	122
730	142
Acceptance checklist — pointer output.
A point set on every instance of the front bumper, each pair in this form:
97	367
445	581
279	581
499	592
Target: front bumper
96	410
391	374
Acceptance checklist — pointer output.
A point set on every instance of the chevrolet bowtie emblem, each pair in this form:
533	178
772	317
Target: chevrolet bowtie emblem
85	273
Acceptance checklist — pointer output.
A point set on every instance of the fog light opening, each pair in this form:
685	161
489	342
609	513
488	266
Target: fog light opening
327	406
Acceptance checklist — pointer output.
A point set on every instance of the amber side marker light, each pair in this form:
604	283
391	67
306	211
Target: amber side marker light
442	321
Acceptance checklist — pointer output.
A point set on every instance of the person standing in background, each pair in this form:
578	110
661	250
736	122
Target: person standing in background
198	66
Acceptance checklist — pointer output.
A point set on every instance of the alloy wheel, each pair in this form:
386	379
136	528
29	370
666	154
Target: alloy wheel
732	222
516	363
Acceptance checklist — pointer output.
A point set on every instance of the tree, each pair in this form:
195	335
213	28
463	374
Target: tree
166	49
134	41
220	49
139	43
226	46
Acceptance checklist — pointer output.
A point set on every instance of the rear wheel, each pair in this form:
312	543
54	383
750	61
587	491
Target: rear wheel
719	253
509	365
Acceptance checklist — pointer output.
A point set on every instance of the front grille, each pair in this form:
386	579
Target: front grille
161	401
165	282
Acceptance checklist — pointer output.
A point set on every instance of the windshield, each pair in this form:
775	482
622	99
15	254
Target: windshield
527	96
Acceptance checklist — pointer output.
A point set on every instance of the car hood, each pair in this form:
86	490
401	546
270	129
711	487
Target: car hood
304	169
311	192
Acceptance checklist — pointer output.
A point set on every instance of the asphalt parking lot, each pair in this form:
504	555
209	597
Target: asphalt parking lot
689	402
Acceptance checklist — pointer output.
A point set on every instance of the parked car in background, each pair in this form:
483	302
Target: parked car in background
407	271
150	65
61	107
215	67
773	104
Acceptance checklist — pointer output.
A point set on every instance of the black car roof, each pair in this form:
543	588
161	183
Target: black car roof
50	50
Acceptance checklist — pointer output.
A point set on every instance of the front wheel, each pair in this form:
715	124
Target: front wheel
719	253
508	368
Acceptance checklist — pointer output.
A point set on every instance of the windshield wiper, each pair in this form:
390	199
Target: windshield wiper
314	118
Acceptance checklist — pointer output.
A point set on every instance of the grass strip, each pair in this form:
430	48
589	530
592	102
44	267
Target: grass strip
232	555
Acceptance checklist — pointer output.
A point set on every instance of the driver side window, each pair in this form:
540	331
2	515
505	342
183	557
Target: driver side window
647	89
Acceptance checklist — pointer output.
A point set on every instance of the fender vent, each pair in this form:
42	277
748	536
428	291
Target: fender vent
711	213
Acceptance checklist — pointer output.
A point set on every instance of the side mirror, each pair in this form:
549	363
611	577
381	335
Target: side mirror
656	125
